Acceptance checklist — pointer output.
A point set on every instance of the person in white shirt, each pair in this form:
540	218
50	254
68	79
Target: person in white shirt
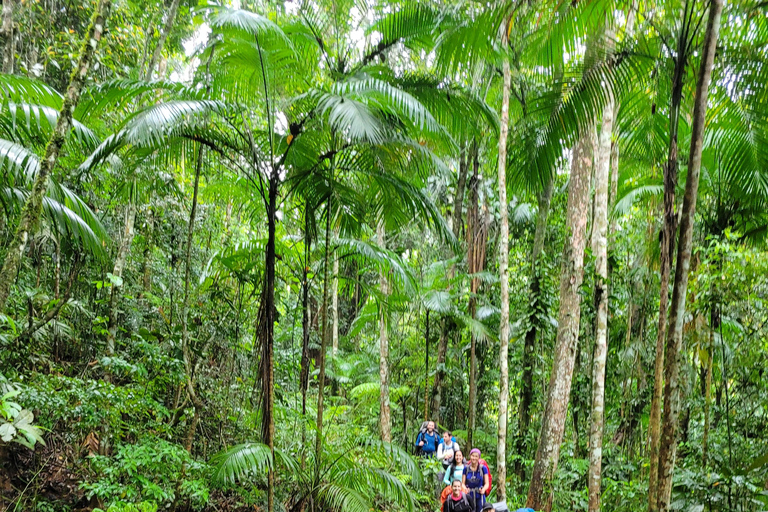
447	449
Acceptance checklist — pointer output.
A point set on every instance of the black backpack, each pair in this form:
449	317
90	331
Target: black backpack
422	430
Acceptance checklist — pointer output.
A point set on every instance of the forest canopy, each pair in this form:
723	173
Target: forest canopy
297	255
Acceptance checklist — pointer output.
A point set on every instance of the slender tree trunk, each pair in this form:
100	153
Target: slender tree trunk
572	273
7	36
385	421
666	252
446	325
668	446
325	334
335	307
501	444
117	271
157	54
185	349
268	341
529	360
476	234
150	233
30	214
600	250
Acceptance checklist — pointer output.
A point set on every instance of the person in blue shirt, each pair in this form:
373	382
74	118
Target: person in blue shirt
476	479
427	441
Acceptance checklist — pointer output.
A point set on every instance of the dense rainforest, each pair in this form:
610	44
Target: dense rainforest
248	249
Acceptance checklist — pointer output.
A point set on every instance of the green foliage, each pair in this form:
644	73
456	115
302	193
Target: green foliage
150	470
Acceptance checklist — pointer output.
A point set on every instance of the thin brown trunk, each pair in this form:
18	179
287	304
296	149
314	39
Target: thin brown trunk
186	351
437	388
572	273
268	337
325	333
666	252
668	446
157	54
477	233
385	420
426	367
335	307
30	214
117	271
501	435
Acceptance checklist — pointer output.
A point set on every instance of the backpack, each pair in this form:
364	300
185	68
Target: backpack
490	478
462	505
422	430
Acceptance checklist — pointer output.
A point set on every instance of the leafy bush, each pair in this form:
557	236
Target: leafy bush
152	469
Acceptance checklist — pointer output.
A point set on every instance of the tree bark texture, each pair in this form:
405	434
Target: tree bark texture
501	443
477	235
385	419
571	276
668	446
600	354
666	252
30	214
325	333
185	349
529	358
157	54
117	271
267	331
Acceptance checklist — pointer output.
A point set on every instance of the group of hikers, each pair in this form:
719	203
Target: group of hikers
468	481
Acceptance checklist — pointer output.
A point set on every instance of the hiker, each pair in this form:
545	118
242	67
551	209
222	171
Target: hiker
427	441
476	480
457	501
446	449
456	470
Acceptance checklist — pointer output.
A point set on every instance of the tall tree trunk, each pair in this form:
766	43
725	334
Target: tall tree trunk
668	446
446	325
7	36
476	237
117	271
268	337
185	349
666	252
157	54
501	444
529	359
325	333
572	274
385	420
335	307
600	250
30	214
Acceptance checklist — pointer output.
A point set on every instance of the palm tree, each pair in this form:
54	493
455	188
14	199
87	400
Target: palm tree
30	215
348	480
